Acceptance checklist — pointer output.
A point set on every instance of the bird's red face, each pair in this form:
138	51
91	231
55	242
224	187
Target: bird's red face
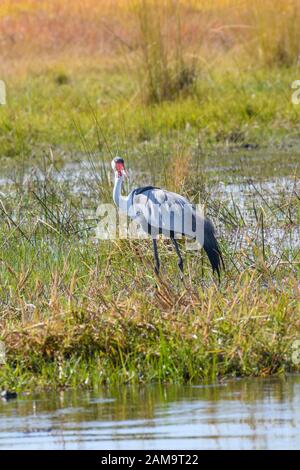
119	166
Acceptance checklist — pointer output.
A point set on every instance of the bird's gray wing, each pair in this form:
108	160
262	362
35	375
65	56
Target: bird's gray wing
164	211
171	214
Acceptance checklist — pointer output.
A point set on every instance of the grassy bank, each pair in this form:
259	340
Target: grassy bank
76	311
226	109
192	337
197	98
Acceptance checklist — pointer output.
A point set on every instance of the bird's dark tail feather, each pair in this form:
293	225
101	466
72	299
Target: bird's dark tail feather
212	248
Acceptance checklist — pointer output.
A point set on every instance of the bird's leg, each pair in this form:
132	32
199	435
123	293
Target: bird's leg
156	258
180	260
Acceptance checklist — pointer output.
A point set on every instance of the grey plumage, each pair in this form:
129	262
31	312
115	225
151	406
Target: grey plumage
160	211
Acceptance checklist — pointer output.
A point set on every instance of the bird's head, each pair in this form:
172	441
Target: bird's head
118	166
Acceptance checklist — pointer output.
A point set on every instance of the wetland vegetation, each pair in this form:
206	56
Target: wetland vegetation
197	99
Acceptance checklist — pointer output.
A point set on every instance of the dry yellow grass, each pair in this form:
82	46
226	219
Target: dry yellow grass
266	30
166	336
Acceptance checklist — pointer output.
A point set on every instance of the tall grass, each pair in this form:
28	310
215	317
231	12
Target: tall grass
171	42
165	70
166	31
275	31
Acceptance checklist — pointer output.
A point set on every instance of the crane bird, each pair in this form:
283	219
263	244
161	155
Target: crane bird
157	211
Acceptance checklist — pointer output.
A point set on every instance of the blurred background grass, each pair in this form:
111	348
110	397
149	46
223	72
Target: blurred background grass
221	68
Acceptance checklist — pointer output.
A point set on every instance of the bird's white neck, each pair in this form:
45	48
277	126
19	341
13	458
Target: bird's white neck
119	200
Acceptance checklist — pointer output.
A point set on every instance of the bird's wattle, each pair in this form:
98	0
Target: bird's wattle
120	168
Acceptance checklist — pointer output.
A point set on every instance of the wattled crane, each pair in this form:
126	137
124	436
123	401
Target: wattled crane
158	211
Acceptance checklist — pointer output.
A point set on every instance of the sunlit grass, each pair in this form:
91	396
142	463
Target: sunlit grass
265	31
47	108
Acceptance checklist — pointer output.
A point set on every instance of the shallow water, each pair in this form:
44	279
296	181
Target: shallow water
238	414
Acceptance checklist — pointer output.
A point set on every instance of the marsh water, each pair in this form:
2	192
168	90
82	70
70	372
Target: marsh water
242	183
237	414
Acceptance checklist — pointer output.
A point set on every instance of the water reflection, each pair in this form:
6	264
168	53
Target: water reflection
256	413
